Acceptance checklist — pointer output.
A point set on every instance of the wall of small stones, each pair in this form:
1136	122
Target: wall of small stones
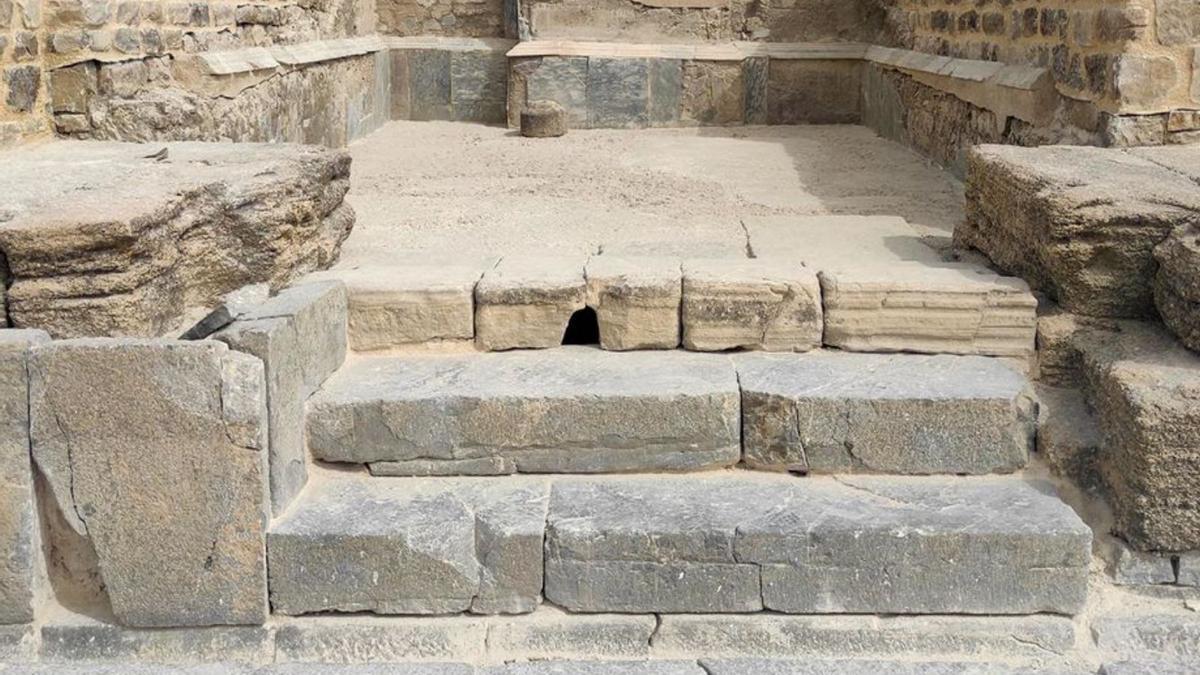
448	18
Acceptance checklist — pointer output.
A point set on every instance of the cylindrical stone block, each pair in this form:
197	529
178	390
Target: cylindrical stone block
543	119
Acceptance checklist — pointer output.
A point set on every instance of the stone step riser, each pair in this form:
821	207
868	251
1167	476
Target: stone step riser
580	410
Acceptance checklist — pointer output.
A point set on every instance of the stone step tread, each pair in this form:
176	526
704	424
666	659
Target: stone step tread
719	542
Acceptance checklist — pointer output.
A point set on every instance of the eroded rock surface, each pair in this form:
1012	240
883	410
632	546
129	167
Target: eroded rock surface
1177	283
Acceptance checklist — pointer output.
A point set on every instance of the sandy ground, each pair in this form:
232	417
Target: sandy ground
470	190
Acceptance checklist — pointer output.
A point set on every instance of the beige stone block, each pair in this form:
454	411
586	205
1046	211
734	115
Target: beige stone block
713	93
1143	81
636	301
750	304
526	302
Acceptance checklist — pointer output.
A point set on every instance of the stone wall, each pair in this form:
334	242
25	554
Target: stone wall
450	18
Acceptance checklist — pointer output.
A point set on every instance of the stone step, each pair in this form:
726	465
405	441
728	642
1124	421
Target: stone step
727	542
585	410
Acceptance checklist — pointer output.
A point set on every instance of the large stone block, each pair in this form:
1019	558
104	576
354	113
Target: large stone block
1177	283
750	304
636	301
479	90
1145	389
410	547
839	413
19	536
527	302
67	637
300	335
564	410
986	546
618	92
121	245
1079	223
712	93
155	450
562	79
813	92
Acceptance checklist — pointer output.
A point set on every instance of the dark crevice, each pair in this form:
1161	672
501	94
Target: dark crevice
5	283
583	328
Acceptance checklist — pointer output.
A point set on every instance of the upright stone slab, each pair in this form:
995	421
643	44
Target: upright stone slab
618	92
562	79
300	335
636	301
838	413
156	451
750	304
478	85
526	302
19	549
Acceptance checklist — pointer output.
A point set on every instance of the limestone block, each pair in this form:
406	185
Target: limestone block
1058	360
864	667
1178	23
940	310
750	304
838	242
410	547
391	307
617	92
813	92
1142	81
652	667
1137	568
637	301
1078	223
1144	387
1150	666
119	244
909	414
155	450
526	302
573	410
712	93
300	335
1068	435
19	536
543	119
1177	283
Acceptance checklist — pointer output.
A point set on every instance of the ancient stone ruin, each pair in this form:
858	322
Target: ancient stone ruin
671	337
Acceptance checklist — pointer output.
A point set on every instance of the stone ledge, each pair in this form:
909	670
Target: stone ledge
266	58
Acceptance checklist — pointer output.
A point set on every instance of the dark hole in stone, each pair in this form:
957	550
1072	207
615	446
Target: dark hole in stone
583	328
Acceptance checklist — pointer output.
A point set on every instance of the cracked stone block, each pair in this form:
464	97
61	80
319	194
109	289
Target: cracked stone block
617	92
637	301
750	304
410	547
300	335
155	450
987	546
875	413
1077	223
574	410
231	306
1177	283
1144	387
525	302
392	307
20	547
1137	568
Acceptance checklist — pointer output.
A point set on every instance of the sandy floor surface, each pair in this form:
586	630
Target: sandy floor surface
457	190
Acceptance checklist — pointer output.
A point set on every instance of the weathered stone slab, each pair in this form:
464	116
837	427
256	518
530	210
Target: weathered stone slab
1177	283
118	244
618	92
1058	360
1189	569
637	301
19	532
550	633
410	547
300	335
666	82
1079	223
987	546
391	307
750	304
712	93
755	75
17	641
526	302
913	308
598	668
481	466
1137	568
429	84
1150	635
1150	666
156	451
871	667
839	242
479	90
231	306
908	414
1144	387
803	91
314	640
563	80
69	637
564	410
1068	435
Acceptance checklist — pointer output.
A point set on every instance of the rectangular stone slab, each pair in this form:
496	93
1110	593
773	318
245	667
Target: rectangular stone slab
526	302
636	300
772	305
832	412
862	545
410	546
572	409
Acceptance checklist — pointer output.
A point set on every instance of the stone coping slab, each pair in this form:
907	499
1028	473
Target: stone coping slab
265	58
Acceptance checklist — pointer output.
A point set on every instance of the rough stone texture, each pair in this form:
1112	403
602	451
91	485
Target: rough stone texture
908	414
814	92
1177	283
478	89
155	450
526	302
1189	569
1068	435
842	546
598	668
637	301
1144	666
1079	223
550	633
410	547
392	307
121	245
560	79
231	306
300	335
543	119
1145	389
481	466
365	640
1135	568
865	667
712	93
567	410
750	304
69	637
20	553
1148	635
1058	361
914	308
617	92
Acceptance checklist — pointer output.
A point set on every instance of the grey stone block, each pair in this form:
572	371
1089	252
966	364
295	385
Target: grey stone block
598	668
300	335
571	409
564	80
368	669
1189	569
156	451
479	86
1136	568
989	546
429	84
67	637
869	667
618	92
666	91
230	307
550	633
19	532
16	642
834	412
364	640
1153	635
1150	666
755	77
480	466
410	547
